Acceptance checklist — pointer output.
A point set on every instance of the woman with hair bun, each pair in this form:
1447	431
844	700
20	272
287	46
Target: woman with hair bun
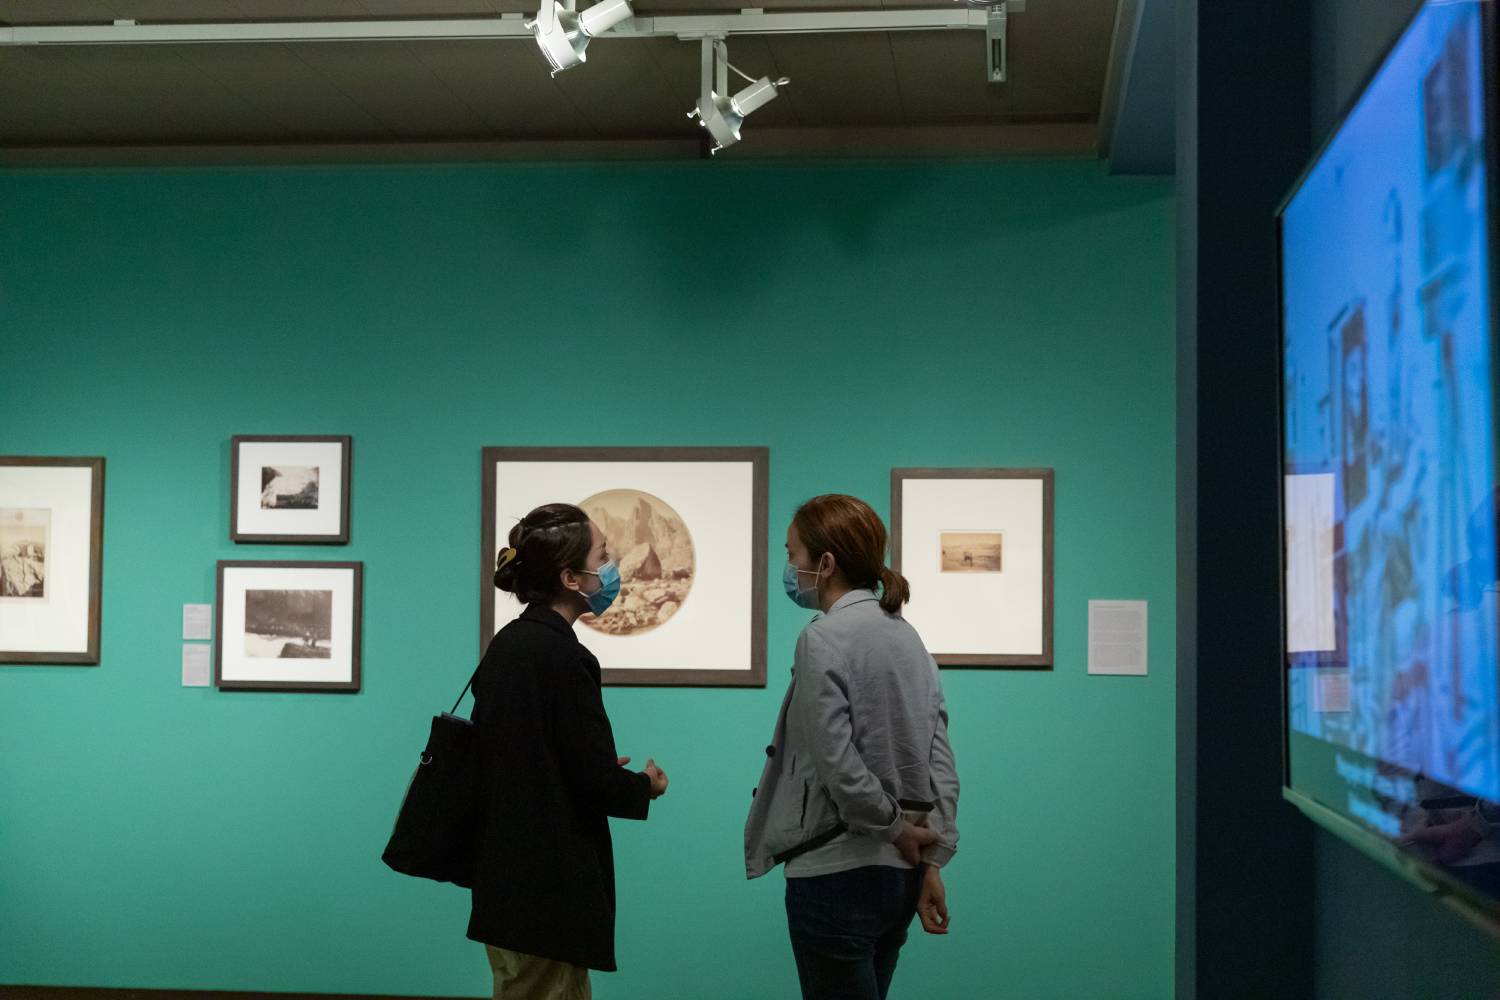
859	796
544	886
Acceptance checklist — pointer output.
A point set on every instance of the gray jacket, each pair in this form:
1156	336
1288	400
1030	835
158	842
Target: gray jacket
862	736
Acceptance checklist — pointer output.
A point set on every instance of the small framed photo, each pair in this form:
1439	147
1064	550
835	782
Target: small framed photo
289	490
51	559
976	545
289	626
687	527
1316	570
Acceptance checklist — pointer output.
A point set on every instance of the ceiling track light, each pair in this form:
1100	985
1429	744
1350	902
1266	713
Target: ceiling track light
995	34
720	113
562	33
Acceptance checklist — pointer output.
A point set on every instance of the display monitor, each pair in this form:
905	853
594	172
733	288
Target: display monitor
1392	605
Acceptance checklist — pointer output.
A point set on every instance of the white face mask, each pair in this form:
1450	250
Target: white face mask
791	581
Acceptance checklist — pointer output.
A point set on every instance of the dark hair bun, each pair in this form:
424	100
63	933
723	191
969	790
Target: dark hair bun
547	541
505	572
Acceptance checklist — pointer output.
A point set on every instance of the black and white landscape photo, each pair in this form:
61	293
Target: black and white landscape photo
289	487
289	624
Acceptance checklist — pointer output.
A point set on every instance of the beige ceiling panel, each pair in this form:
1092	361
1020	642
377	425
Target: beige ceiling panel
175	10
943	78
392	86
55	12
516	6
30	112
678	63
432	8
650	7
96	102
1058	54
843	79
622	91
299	10
734	6
917	141
277	81
173	101
508	84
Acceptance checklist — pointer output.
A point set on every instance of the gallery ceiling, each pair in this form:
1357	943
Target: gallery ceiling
881	92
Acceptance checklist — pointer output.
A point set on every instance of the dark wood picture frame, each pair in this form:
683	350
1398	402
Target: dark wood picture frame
341	537
759	460
88	657
351	686
1017	661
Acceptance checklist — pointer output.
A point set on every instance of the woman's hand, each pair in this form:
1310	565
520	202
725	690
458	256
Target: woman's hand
658	779
932	904
911	840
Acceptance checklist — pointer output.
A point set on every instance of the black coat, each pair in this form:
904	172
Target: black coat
544	883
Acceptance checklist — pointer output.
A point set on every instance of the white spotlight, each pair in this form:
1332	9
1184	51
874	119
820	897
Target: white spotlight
562	33
720	113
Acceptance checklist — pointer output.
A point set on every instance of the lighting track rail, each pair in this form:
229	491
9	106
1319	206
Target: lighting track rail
507	26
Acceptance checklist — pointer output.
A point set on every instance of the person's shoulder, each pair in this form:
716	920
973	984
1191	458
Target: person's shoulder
850	620
517	630
817	630
890	627
819	645
523	638
871	614
865	628
579	655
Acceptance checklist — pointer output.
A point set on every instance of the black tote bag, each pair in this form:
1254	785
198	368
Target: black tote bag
437	827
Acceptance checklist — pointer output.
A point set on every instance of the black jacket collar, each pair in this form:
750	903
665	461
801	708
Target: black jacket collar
544	615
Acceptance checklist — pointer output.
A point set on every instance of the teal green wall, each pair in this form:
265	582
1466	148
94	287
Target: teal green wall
851	318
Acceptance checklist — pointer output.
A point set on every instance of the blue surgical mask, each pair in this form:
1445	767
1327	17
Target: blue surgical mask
791	579
609	587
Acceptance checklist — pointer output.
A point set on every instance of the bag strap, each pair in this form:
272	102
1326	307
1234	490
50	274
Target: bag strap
465	691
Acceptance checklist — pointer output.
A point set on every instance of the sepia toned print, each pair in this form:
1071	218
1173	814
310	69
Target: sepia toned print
971	551
289	487
654	550
289	624
24	540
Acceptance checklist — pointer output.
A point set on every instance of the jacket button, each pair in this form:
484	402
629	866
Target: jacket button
771	750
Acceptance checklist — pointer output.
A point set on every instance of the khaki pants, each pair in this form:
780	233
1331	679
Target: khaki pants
527	977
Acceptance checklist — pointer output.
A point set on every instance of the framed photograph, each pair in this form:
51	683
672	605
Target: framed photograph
51	559
1316	570
976	545
289	626
688	529
289	490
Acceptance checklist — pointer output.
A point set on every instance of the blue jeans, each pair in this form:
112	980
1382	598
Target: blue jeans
847	929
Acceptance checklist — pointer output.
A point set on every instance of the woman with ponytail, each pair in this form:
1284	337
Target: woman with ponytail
859	796
544	886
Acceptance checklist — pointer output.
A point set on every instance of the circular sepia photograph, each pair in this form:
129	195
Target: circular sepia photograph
652	545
